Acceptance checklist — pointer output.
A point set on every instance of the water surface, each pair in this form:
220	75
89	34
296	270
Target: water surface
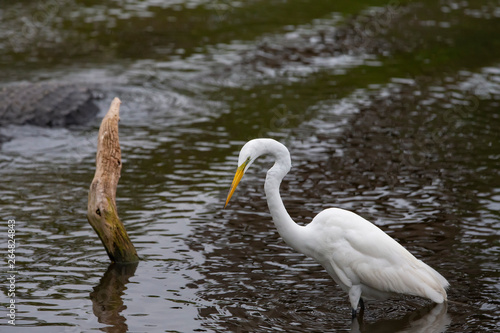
389	109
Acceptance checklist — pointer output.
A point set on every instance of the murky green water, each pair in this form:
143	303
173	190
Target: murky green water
391	110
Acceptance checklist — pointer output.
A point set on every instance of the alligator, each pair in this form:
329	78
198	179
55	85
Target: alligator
47	104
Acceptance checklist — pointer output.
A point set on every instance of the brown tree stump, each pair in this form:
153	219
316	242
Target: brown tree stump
101	210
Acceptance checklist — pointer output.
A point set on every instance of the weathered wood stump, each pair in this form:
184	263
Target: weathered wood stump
101	211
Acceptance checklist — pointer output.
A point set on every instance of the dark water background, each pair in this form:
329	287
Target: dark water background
391	110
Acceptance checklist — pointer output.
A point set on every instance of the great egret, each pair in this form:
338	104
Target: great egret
360	257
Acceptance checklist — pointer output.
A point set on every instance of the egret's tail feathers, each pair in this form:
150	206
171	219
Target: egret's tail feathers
432	285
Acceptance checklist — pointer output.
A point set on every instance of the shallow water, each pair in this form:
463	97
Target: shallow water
389	110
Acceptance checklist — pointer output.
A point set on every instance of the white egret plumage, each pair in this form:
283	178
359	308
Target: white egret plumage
362	259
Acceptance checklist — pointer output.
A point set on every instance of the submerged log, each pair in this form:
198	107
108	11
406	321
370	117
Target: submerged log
101	211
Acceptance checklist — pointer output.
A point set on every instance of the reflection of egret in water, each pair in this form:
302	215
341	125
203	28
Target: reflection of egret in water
107	300
430	319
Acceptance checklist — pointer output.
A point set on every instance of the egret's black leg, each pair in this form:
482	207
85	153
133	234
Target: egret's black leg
361	305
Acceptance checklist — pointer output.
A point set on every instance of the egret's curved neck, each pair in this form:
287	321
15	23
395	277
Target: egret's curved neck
291	232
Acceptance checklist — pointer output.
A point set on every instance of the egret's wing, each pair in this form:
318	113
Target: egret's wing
360	253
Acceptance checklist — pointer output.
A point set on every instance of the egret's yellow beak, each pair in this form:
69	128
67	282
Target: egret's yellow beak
236	180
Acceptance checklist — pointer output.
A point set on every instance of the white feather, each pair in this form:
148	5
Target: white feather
356	252
360	257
